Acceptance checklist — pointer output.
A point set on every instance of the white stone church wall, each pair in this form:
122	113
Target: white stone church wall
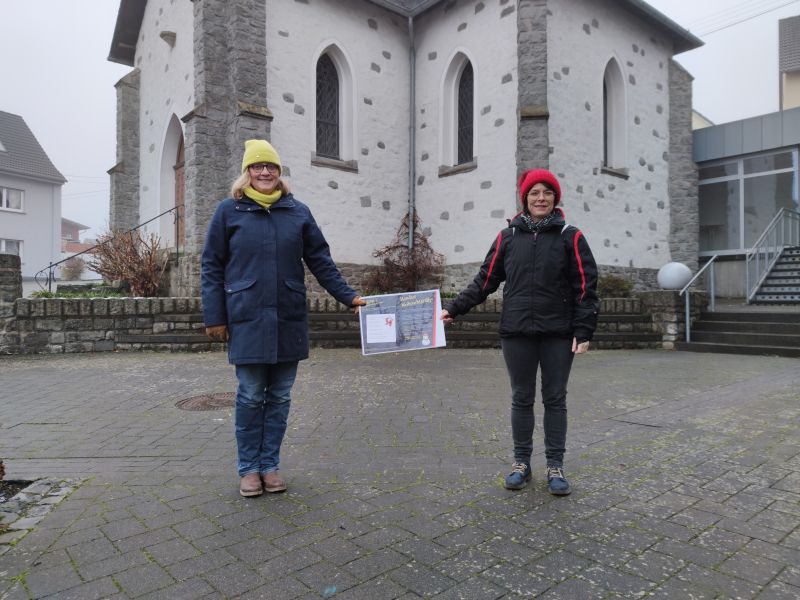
465	211
626	222
358	212
167	89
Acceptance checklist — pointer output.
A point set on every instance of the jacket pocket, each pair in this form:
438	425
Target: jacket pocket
240	300
293	303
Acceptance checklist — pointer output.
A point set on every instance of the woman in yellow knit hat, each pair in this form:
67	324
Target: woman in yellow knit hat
254	297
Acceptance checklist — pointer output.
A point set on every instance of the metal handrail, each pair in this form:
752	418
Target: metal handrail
712	304
51	267
781	232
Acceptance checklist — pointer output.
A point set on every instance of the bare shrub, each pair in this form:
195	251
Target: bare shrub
404	269
129	257
73	268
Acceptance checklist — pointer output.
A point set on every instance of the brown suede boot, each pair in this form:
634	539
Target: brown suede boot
250	485
273	482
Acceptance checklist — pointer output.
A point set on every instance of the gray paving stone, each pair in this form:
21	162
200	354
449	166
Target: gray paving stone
172	551
777	590
139	581
519	581
47	581
380	588
472	589
161	483
420	579
185	590
110	566
204	563
654	566
95	590
234	579
574	588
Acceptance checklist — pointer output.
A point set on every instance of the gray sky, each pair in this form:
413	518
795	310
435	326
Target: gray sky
55	75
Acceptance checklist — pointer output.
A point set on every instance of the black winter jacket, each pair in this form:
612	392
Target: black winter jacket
551	281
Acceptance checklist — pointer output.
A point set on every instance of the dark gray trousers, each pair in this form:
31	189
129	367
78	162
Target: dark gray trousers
523	356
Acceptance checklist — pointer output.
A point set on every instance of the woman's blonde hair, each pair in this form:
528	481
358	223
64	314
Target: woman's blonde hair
243	181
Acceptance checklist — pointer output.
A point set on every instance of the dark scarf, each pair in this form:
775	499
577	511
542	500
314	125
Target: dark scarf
537	227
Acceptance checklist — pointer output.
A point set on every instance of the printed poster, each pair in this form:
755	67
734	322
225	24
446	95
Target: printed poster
399	322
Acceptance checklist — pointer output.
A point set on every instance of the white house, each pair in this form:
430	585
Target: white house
30	198
383	107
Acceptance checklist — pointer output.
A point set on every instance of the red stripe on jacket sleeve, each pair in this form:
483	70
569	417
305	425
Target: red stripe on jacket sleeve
578	234
494	258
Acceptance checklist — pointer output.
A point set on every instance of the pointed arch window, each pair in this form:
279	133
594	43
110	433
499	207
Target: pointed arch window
327	108
458	99
614	134
465	114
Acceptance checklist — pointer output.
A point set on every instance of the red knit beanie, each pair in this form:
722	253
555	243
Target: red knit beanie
530	178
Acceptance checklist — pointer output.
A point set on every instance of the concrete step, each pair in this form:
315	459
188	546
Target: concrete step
738	349
770	287
746	327
782	280
740	338
787	298
751	317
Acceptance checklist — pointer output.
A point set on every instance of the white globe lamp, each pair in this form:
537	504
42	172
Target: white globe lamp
673	276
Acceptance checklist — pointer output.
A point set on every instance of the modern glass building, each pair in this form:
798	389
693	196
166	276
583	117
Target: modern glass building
748	171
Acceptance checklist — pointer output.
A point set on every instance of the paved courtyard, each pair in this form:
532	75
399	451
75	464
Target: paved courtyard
685	469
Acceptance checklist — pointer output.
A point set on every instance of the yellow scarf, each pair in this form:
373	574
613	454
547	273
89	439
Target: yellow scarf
265	200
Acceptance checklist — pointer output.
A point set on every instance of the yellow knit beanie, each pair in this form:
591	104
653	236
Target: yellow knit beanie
259	151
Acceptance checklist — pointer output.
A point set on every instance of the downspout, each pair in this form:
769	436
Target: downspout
412	151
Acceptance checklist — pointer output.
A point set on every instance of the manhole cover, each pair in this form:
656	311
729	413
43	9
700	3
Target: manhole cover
219	401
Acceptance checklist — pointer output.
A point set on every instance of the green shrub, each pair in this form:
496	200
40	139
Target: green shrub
613	286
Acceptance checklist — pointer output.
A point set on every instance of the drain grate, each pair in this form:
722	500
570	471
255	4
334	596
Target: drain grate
218	401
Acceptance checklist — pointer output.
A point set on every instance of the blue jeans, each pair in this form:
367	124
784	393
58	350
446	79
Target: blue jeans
523	356
262	411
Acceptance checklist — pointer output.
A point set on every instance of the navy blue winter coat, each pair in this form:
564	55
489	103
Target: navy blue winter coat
253	277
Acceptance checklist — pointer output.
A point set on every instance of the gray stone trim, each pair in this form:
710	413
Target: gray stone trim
446	171
124	204
351	166
230	75
533	132
684	235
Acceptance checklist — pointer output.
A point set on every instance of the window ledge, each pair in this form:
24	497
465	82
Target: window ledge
621	173
445	171
351	166
15	210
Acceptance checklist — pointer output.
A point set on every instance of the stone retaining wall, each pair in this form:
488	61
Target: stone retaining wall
57	325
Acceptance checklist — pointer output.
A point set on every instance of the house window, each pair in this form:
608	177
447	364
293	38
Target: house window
738	199
11	247
11	199
465	114
614	142
327	108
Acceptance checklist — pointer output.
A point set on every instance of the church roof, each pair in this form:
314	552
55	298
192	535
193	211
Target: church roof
131	12
20	152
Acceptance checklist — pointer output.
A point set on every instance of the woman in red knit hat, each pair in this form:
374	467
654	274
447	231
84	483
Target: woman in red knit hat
549	314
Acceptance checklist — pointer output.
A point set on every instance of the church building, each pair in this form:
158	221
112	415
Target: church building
379	108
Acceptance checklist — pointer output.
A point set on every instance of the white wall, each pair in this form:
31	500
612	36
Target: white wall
358	212
629	224
465	211
167	90
38	226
